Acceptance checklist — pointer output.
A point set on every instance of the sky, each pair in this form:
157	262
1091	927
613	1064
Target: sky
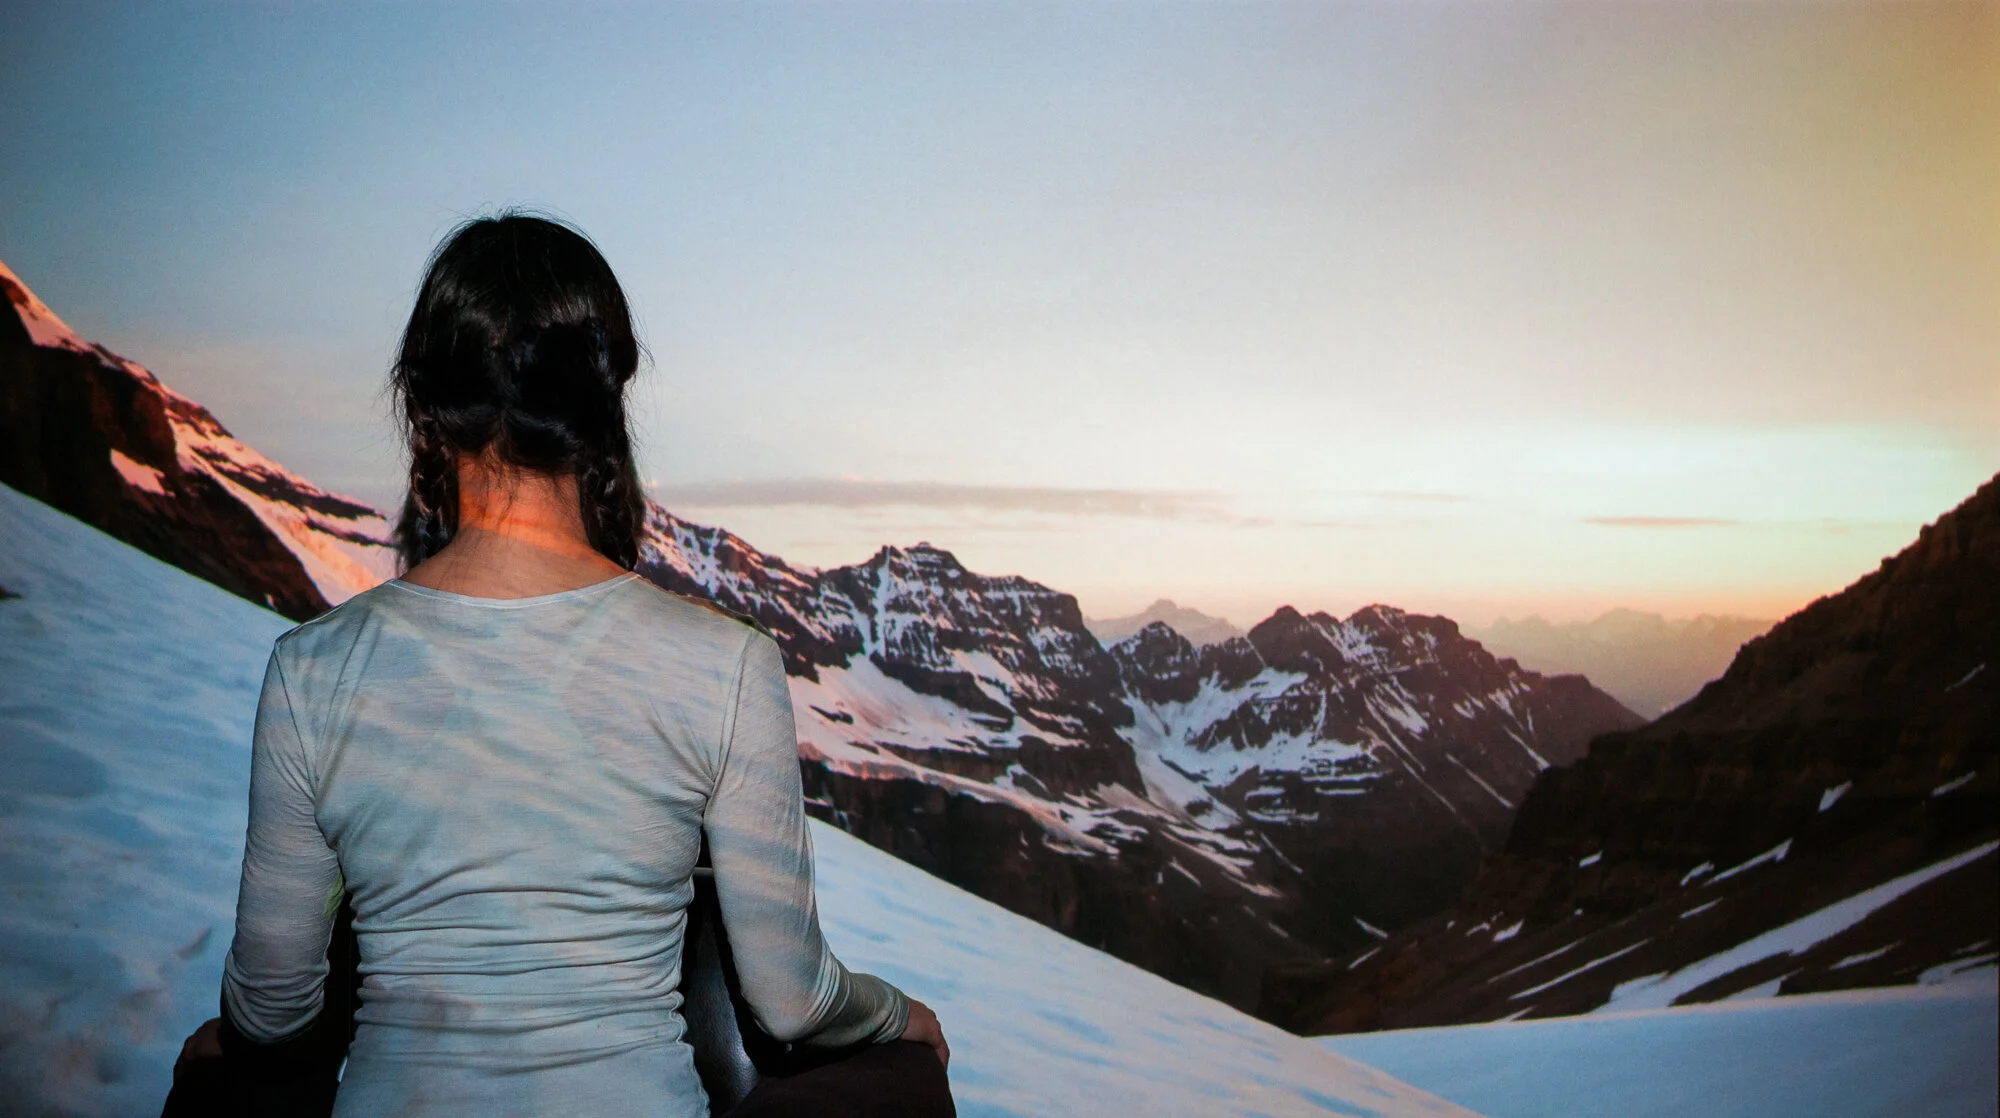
1484	309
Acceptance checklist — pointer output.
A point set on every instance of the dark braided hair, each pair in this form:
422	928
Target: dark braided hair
522	342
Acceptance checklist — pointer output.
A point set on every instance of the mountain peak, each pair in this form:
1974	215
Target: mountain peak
1376	615
1158	633
923	555
44	327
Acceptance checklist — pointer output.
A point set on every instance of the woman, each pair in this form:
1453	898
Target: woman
507	759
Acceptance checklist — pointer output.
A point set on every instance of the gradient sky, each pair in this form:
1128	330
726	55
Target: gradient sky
1485	309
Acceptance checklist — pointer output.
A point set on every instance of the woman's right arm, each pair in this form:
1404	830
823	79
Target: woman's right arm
762	854
273	975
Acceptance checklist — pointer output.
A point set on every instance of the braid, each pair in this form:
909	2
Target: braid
430	511
613	510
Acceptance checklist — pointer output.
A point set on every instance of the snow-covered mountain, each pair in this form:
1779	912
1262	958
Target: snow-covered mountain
1204	814
127	690
972	726
1824	816
1283	795
1380	756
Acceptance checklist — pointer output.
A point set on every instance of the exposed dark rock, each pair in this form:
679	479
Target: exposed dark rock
1158	665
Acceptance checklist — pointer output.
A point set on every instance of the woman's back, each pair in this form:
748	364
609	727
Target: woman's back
519	825
516	790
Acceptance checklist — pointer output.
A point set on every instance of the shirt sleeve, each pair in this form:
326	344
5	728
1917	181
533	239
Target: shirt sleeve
762	853
272	977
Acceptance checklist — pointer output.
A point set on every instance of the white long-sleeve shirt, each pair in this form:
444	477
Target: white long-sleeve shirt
513	792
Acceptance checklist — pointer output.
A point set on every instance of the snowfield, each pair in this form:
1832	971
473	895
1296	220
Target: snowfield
126	694
1042	1025
1905	1050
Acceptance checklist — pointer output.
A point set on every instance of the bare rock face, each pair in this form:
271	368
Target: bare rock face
1158	666
1820	817
1206	813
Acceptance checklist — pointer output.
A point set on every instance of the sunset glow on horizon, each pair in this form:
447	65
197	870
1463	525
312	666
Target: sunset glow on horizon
1476	309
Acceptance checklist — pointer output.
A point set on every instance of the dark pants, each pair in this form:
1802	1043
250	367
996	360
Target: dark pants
295	1078
221	1087
901	1079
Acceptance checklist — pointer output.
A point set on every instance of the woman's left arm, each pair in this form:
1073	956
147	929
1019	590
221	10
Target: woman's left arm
272	977
762	850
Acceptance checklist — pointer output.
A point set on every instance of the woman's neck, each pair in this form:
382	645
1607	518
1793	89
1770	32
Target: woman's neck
520	534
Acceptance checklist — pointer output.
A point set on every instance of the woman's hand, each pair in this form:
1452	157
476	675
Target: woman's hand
206	1042
924	1029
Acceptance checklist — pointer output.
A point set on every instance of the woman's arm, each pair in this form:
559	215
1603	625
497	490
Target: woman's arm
271	979
762	853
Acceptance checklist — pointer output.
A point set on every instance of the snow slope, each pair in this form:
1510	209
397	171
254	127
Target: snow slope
1896	1051
1042	1025
126	694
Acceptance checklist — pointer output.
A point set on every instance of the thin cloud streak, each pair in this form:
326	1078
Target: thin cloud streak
1660	521
854	493
1415	495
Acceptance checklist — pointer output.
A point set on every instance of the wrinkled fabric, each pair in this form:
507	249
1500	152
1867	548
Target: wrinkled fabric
513	792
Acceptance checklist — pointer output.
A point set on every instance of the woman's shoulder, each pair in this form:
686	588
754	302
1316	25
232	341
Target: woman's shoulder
685	615
656	624
340	621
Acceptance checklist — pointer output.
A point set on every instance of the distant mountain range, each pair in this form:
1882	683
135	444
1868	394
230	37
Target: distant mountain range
1649	663
1286	794
1198	627
1825	815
